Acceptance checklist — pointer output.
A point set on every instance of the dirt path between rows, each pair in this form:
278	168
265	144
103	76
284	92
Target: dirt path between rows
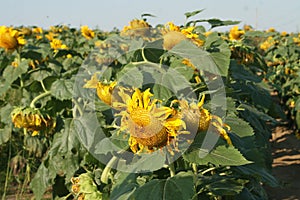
286	165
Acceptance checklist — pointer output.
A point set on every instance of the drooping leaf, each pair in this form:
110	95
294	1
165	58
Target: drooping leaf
43	178
215	62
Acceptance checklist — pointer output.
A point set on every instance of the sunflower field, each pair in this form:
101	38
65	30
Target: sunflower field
165	112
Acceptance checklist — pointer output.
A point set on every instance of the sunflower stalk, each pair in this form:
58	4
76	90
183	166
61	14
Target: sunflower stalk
106	171
172	169
37	98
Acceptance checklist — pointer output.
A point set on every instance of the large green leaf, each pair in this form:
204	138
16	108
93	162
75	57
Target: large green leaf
11	73
62	89
43	178
239	126
130	75
125	185
65	154
216	62
177	187
222	155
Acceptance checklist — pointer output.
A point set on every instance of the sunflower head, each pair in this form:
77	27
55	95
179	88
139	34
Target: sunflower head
150	125
136	27
10	39
235	33
87	33
32	120
197	117
104	89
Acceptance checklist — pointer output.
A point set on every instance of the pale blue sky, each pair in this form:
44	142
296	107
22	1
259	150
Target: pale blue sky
262	14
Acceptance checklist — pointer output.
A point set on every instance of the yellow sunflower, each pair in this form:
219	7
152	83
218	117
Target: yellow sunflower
10	39
104	90
32	120
235	33
87	33
150	126
198	118
136	28
173	35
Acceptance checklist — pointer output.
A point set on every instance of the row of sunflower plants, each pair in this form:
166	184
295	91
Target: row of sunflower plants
165	112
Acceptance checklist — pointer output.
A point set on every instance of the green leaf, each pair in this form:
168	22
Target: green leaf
226	186
222	155
66	152
40	75
215	62
10	73
147	15
258	172
43	178
239	126
178	187
217	22
125	185
191	14
130	75
62	89
5	134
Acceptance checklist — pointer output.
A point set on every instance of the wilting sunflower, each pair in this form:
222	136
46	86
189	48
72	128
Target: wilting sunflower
136	27
10	39
87	33
198	118
150	126
172	35
104	90
32	120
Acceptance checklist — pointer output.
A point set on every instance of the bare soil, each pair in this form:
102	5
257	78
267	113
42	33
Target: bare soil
286	165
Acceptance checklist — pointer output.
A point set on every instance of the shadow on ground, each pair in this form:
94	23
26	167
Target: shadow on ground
286	165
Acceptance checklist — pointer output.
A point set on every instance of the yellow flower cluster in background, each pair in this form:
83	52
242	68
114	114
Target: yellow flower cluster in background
57	44
269	42
10	39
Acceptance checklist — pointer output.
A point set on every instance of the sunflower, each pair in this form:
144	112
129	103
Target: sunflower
198	118
150	126
32	120
57	44
235	33
173	35
104	90
136	28
87	33
10	39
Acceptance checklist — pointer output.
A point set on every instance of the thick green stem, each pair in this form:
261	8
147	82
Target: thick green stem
78	107
37	98
143	55
106	171
172	169
194	166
